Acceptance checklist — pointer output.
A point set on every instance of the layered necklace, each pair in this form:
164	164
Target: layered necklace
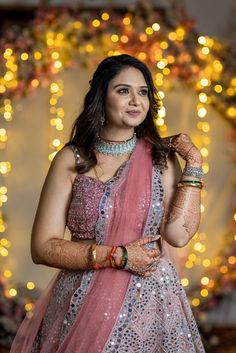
115	148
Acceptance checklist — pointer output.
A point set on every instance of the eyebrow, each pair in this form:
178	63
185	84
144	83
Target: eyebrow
126	85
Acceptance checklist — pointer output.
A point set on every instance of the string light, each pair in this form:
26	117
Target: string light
211	83
56	89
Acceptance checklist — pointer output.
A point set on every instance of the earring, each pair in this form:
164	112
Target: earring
102	119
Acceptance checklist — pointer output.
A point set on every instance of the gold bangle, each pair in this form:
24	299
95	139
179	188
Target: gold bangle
92	257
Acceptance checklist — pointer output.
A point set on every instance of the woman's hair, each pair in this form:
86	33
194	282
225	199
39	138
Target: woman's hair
88	124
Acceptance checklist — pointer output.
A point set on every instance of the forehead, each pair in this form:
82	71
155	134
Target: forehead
129	76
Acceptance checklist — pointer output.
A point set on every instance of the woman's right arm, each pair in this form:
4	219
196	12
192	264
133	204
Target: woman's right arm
47	244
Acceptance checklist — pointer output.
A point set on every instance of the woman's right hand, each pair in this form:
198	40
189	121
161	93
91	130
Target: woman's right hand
141	259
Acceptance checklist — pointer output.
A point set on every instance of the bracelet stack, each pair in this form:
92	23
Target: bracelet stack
196	172
112	256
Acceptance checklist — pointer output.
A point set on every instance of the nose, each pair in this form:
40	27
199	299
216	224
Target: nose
134	99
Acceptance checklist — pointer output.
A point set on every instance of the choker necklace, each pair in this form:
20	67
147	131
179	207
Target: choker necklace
115	148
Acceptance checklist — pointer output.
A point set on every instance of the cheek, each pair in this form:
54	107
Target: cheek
116	103
146	105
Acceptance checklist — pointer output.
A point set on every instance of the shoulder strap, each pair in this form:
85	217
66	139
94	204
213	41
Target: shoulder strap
76	154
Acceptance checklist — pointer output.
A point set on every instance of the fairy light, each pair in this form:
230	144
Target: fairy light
189	264
164	45
204	82
125	39
180	33
223	269
29	307
202	112
232	260
12	292
204	292
209	86
105	16
7	274
56	117
156	27
96	23
184	282
5	168
205	50
143	37
231	112
202	40
24	56
38	55
114	38
162	63
172	36
230	92
195	302
142	56
149	31
205	280
126	21
30	285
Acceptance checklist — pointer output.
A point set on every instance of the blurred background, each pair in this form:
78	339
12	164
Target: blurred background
49	50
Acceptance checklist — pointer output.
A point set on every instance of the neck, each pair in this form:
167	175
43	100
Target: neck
116	135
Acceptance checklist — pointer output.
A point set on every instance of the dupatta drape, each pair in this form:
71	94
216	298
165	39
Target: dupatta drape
123	213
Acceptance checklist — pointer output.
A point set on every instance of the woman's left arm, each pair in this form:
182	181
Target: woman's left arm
182	204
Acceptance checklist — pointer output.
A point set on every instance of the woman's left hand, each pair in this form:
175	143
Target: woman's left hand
183	145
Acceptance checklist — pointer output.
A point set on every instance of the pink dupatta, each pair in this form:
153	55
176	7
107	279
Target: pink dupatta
123	215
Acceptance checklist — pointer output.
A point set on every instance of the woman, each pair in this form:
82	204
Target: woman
122	195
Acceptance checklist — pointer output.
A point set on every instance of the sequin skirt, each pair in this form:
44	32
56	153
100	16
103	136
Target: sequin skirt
155	316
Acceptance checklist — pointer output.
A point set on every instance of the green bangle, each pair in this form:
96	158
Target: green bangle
124	258
191	181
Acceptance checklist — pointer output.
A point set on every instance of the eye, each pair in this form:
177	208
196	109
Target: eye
123	90
143	92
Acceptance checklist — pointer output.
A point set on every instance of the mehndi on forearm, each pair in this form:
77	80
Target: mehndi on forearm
183	216
70	255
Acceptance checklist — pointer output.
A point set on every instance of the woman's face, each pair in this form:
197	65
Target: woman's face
127	101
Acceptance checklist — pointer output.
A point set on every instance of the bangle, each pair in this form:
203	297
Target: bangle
110	256
92	257
191	181
195	183
193	171
124	258
198	186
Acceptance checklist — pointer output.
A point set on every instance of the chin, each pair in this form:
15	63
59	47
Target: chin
134	122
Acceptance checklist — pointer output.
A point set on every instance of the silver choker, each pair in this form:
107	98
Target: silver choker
115	148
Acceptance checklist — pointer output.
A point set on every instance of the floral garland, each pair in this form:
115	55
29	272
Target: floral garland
59	38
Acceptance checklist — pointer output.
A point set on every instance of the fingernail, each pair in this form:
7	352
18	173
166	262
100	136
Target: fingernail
156	237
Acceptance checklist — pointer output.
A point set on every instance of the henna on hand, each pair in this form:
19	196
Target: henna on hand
141	259
183	145
71	255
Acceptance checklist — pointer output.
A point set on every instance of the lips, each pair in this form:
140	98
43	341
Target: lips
134	112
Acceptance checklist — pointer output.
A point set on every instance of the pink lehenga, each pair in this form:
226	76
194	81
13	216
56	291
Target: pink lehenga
113	311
